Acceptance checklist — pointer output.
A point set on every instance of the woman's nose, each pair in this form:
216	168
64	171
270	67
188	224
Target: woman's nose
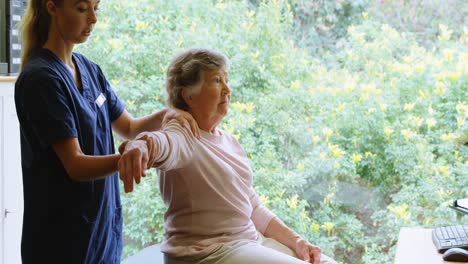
92	18
226	90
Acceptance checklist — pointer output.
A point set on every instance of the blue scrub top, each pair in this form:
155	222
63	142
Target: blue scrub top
67	221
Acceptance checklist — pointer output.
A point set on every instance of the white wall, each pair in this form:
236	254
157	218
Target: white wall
11	188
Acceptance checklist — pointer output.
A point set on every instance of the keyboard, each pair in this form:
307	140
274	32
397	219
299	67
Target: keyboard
446	237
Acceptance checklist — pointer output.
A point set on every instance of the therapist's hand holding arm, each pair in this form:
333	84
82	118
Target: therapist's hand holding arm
82	167
136	157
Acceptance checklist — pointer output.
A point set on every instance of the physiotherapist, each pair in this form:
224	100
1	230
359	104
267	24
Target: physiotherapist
67	111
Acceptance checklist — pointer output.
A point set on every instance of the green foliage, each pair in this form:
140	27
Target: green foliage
321	25
422	18
347	147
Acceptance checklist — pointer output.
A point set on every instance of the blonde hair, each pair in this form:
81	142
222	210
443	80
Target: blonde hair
34	27
185	72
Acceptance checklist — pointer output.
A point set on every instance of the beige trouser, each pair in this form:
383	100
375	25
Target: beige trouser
262	251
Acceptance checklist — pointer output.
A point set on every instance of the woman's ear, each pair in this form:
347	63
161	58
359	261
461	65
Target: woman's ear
187	98
51	8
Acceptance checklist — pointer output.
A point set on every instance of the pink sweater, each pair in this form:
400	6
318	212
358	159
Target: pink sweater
206	185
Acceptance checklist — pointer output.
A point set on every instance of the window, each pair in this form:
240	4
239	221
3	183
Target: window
354	121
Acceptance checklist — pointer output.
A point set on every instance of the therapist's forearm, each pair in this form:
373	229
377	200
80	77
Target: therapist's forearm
150	122
87	168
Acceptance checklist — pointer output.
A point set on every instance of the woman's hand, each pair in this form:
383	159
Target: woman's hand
148	138
133	162
279	231
307	252
181	116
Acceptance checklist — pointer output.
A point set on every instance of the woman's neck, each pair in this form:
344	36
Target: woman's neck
206	123
61	49
64	52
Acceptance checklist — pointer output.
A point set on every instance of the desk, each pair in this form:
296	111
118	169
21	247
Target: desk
415	247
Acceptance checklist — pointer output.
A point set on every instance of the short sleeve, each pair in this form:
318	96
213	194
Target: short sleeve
46	105
115	105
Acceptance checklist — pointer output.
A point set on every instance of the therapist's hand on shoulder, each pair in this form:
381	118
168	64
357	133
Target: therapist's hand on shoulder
137	155
181	116
307	252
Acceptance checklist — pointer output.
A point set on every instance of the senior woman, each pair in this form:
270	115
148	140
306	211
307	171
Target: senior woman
213	213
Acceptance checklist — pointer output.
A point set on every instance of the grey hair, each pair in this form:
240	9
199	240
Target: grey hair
185	72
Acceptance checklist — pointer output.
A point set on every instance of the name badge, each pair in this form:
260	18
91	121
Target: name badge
100	100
